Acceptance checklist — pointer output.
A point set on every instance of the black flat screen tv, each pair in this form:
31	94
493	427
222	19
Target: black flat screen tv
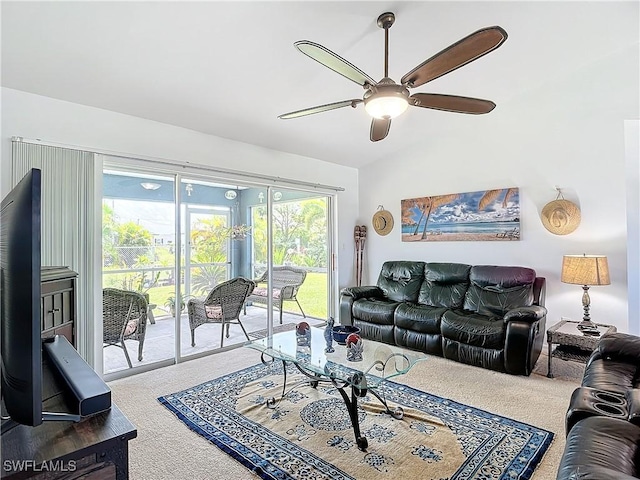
20	301
20	324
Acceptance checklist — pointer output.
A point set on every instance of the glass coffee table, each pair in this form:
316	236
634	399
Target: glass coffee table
353	379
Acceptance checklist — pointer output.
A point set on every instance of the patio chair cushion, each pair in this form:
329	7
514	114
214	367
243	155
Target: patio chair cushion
131	327
262	292
213	311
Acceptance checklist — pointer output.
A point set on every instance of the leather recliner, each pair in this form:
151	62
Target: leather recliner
603	442
485	315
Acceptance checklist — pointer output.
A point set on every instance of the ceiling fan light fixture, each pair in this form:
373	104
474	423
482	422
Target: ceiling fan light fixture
387	100
385	105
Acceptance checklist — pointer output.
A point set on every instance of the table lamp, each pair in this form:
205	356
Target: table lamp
585	270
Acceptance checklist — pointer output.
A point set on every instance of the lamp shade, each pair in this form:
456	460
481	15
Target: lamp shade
585	270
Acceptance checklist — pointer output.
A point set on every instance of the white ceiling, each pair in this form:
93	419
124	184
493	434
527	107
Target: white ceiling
229	68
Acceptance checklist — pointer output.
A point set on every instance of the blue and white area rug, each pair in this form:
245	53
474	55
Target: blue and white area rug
309	434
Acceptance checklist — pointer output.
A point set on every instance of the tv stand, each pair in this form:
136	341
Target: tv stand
95	448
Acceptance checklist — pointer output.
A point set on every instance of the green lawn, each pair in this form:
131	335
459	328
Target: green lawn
312	296
159	295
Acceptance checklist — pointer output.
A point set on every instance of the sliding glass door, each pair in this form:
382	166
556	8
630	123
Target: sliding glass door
299	255
138	245
206	209
173	238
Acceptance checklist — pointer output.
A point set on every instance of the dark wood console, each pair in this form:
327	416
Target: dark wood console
58	304
96	448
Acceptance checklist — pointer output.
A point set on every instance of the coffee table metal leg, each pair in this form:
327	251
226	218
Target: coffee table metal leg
358	386
273	402
313	380
352	408
397	412
549	372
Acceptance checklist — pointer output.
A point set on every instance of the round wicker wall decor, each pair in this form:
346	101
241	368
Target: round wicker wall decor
382	222
561	217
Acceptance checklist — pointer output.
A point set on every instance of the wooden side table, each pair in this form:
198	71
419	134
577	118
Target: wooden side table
572	343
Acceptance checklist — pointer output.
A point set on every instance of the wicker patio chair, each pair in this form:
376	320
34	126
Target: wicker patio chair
286	282
124	317
223	305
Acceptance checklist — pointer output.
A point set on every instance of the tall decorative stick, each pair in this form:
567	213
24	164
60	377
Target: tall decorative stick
363	238
356	238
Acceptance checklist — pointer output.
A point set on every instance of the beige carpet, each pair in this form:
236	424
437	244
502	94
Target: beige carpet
167	449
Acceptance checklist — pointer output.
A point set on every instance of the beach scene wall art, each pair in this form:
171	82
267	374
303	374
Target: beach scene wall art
489	215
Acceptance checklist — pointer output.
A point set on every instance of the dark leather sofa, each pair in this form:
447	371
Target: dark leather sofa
484	315
603	419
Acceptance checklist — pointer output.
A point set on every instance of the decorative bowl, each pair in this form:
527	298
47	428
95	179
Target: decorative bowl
341	332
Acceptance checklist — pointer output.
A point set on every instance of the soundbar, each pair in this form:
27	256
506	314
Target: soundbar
90	391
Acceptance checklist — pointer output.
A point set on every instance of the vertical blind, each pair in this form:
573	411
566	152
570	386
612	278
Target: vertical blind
70	230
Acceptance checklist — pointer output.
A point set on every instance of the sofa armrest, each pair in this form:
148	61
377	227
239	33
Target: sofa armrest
633	402
525	327
593	473
620	346
349	295
527	314
362	292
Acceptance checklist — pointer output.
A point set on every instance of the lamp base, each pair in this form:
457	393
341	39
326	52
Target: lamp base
587	327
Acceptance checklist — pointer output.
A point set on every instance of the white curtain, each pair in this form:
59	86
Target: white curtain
70	224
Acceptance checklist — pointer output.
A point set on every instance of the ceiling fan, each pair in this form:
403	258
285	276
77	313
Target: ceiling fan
387	99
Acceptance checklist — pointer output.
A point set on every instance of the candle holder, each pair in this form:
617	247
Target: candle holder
355	348
303	334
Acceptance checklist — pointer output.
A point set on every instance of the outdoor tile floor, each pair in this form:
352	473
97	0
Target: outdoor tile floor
159	342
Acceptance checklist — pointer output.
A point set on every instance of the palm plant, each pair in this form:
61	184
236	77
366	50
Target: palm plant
209	242
205	277
171	303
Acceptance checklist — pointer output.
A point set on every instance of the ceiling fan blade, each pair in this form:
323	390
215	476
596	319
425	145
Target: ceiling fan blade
455	56
379	128
452	103
320	109
333	61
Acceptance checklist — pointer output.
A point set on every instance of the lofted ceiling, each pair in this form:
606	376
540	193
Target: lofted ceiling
229	68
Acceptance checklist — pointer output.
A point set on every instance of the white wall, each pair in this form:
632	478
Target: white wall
632	149
567	133
37	117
